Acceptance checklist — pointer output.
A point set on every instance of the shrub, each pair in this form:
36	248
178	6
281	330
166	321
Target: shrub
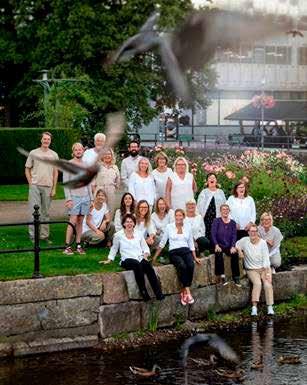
12	163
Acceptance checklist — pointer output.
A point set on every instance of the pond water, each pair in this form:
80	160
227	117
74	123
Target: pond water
96	368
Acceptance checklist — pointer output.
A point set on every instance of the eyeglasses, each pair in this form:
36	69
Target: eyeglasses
143	207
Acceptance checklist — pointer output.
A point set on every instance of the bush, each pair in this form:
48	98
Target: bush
12	164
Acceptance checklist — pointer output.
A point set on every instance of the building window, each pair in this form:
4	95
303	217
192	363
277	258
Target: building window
302	56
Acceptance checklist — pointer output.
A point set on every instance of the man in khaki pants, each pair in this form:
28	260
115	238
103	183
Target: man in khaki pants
42	179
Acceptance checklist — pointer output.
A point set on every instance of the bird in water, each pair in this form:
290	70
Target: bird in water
295	359
142	372
84	174
194	43
205	363
258	364
237	374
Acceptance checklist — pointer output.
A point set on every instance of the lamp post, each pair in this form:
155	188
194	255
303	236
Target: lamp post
262	114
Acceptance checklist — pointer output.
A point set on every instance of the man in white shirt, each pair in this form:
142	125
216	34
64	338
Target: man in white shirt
130	164
90	155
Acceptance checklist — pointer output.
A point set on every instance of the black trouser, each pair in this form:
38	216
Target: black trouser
241	234
203	244
182	259
219	263
139	269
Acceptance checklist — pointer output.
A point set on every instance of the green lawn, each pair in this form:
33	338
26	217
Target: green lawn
20	192
53	262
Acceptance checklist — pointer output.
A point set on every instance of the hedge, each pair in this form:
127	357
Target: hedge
12	164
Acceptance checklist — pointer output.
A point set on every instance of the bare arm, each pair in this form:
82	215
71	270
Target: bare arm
55	181
168	190
194	185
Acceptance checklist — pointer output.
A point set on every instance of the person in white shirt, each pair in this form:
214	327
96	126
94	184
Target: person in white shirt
209	202
130	164
97	226
78	202
127	206
161	174
144	225
273	238
141	184
134	253
181	253
197	224
242	209
255	252
90	155
180	186
161	218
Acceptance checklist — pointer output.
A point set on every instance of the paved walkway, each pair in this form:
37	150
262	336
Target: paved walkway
19	211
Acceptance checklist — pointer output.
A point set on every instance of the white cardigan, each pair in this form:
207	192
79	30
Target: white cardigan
204	200
197	226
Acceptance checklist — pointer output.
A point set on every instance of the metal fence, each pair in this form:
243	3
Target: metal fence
36	249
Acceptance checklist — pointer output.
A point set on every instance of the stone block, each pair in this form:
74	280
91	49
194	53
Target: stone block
114	288
230	296
6	350
36	290
205	299
211	268
169	279
119	318
133	291
30	317
201	276
288	283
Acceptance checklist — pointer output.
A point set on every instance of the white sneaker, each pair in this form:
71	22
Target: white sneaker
270	310
254	311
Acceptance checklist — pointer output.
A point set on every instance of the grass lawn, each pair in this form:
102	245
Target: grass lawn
20	192
52	262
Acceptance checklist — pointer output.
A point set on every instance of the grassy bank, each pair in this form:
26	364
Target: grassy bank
20	192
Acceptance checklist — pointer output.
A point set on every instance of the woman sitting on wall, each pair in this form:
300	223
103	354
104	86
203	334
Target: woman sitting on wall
255	252
144	224
161	217
127	206
134	252
273	238
181	253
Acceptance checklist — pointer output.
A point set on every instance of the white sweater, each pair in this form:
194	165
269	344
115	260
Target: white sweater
256	256
197	225
242	211
142	188
176	240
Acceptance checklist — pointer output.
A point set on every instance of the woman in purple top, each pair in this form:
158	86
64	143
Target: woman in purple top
224	237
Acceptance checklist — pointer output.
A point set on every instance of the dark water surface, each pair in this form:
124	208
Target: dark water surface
96	368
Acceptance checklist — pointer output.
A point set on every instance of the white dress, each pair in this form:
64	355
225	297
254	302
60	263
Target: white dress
160	179
182	190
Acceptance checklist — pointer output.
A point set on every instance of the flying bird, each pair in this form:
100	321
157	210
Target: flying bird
84	174
212	340
194	43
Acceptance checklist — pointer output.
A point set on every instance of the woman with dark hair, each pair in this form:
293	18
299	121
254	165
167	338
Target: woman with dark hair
181	253
209	202
127	206
242	209
144	224
134	252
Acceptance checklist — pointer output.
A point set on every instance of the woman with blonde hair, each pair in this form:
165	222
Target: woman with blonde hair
181	185
273	238
161	174
162	216
141	184
144	225
108	178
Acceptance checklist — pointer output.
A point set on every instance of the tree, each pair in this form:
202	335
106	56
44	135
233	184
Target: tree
74	37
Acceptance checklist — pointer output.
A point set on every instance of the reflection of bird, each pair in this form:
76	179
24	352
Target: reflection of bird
295	32
289	360
145	372
201	362
194	43
212	340
85	174
258	364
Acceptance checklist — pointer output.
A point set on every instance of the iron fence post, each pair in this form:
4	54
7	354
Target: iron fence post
36	224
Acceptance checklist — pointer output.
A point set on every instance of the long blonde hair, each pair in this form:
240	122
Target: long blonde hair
183	159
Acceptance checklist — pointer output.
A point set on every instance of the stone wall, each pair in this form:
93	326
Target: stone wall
61	313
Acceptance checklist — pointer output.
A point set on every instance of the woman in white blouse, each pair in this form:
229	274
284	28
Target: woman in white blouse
141	183
134	252
181	253
161	174
127	206
180	186
161	217
242	209
144	224
196	222
255	252
209	202
273	238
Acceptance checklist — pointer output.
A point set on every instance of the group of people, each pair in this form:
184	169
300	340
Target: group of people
158	208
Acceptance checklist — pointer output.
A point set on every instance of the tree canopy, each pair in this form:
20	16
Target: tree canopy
71	39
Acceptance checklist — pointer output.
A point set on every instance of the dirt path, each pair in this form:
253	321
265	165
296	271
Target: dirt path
19	211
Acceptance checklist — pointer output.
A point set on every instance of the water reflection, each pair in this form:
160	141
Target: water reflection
96	368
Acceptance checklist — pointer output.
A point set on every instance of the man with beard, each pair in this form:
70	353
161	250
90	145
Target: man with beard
90	155
130	164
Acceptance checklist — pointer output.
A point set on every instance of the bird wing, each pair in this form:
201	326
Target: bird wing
151	23
203	32
61	164
223	348
115	130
